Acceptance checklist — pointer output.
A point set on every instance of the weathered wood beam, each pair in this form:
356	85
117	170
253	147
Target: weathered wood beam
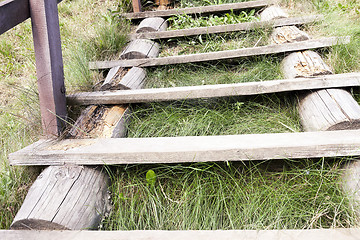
226	28
49	65
290	234
211	91
199	10
65	197
12	13
190	149
223	55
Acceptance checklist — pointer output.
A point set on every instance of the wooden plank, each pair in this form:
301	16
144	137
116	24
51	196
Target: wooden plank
223	55
226	28
49	65
190	149
289	234
199	10
210	91
12	13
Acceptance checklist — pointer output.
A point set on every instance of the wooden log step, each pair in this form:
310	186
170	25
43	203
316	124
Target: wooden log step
226	28
141	48
329	109
288	34
289	234
153	24
223	55
304	64
273	12
65	197
123	79
190	149
210	91
199	10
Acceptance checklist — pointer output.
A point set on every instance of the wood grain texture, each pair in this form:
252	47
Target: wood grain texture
210	91
140	48
65	197
153	24
190	149
273	12
288	34
329	109
122	79
300	234
49	65
226	28
199	10
223	55
304	64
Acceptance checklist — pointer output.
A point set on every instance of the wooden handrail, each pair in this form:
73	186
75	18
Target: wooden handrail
13	12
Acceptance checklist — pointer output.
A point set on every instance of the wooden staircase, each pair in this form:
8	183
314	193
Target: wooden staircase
70	158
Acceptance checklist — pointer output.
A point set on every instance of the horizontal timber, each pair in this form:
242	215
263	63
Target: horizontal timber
226	28
298	234
199	10
223	55
13	12
190	149
209	91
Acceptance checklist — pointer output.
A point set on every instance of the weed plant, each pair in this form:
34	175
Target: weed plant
300	194
186	21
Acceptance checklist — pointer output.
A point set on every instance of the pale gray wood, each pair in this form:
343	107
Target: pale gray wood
65	197
304	64
289	234
226	28
329	109
190	149
288	34
350	182
121	129
273	12
153	24
210	91
107	84
140	48
199	10
222	55
133	79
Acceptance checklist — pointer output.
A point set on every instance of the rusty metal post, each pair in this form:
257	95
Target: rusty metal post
49	65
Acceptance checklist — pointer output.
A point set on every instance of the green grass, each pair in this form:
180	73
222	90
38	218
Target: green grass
241	195
245	70
251	195
262	114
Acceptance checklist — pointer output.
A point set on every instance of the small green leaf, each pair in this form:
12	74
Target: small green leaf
151	178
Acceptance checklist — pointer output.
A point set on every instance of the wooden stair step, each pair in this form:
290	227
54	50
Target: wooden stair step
211	91
199	10
223	55
190	149
290	234
226	28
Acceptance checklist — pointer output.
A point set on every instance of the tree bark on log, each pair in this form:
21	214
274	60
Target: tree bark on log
122	79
